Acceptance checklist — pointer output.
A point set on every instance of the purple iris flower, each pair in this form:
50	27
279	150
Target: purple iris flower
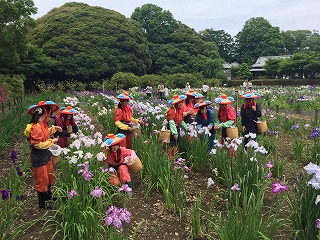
19	171
14	156
6	193
278	187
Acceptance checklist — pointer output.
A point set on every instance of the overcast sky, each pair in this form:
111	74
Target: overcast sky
229	15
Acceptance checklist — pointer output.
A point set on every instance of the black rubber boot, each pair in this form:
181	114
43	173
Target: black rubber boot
42	197
49	195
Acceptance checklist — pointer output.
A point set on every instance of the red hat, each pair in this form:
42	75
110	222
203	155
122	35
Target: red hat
249	94
202	103
54	107
198	95
112	139
68	110
176	99
125	96
190	93
224	99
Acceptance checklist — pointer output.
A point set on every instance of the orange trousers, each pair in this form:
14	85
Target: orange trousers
44	176
121	176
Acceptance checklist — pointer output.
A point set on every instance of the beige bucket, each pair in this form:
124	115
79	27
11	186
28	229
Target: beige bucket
69	129
136	132
55	159
232	132
136	166
262	126
164	135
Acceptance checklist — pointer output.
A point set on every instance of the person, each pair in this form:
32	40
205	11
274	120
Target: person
65	120
166	93
123	118
205	89
149	91
40	142
250	112
226	113
116	158
161	90
174	117
188	86
188	106
205	118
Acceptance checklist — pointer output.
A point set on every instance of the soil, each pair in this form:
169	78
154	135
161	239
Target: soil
147	212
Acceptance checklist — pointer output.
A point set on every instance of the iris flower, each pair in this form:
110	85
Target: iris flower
278	187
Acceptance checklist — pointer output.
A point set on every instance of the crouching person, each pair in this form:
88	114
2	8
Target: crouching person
116	158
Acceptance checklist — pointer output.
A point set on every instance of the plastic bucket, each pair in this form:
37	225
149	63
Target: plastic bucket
136	132
232	132
262	126
136	166
164	135
55	159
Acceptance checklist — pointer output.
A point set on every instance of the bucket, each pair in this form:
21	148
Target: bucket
136	166
55	151
69	129
232	132
262	126
55	159
136	132
164	135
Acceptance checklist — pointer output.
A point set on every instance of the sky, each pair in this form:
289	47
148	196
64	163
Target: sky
229	15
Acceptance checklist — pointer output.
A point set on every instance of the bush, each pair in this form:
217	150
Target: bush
14	84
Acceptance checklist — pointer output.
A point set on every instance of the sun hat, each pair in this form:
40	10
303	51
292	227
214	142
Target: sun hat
124	96
68	110
250	94
198	95
54	107
190	93
113	139
202	104
224	99
176	99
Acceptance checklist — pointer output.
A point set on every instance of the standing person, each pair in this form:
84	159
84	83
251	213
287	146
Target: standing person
188	86
65	120
188	106
123	118
116	158
250	112
149	91
166	93
226	113
40	142
175	121
205	118
205	89
161	90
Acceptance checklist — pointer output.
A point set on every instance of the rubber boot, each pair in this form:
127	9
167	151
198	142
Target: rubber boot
49	194
42	197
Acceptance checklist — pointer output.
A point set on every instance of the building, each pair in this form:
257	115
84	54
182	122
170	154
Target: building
227	68
258	70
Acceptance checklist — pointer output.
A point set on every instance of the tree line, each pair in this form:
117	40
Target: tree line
86	43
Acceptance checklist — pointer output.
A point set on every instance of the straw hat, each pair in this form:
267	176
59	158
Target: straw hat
124	96
202	104
248	95
67	110
224	99
54	107
176	99
112	139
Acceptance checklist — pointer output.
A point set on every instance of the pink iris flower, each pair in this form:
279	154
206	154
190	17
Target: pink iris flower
269	165
278	187
235	187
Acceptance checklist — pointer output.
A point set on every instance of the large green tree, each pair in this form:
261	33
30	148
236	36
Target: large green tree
258	38
223	40
312	43
174	47
294	39
156	23
90	43
15	21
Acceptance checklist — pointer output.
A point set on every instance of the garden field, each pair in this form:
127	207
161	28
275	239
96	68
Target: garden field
269	191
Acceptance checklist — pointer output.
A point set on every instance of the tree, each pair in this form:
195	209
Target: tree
213	67
294	39
15	21
90	43
258	38
273	67
312	43
156	23
223	40
241	71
